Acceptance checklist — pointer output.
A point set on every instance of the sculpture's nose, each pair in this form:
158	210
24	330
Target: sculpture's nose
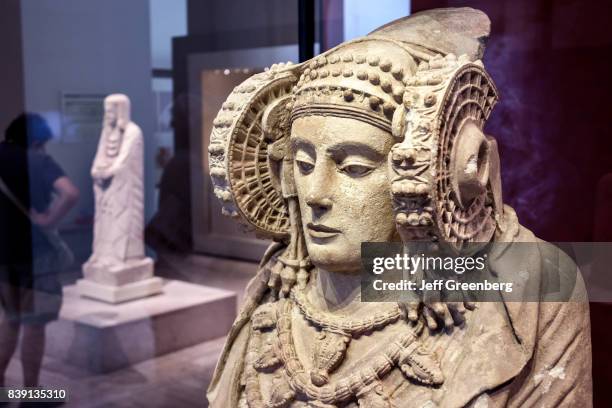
319	193
318	202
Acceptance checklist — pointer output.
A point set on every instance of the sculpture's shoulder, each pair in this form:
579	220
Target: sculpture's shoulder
132	131
257	308
560	279
247	347
562	295
557	328
550	317
551	274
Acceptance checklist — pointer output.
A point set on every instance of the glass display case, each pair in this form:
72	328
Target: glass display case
120	277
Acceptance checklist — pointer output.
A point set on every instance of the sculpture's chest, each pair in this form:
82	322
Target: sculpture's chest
292	362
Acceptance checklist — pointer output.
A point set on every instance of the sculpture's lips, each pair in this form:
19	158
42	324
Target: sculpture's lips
321	231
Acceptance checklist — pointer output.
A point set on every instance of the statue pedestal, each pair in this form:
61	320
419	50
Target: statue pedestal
117	284
119	294
101	337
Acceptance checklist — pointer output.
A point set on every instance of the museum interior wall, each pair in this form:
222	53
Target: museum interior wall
100	60
57	61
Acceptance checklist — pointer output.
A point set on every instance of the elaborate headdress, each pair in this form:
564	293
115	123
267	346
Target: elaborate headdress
421	79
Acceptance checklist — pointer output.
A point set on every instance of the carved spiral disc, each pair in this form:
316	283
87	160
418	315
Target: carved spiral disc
239	162
470	97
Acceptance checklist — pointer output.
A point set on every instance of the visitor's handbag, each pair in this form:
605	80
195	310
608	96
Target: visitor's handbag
62	253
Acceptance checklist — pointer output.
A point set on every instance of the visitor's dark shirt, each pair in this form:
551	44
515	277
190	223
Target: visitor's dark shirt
30	176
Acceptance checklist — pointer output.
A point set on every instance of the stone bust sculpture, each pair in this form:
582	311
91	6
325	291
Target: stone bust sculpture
381	139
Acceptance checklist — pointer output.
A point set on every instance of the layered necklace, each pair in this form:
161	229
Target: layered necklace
405	351
336	333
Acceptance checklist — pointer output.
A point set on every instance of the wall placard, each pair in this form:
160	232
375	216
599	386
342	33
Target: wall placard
82	116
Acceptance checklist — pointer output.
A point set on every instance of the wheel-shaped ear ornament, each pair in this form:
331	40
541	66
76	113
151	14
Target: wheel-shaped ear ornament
445	172
253	117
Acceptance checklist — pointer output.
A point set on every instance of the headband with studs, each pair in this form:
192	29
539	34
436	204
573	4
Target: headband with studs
350	85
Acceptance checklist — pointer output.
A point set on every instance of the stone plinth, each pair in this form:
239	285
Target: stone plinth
133	270
132	280
119	294
101	337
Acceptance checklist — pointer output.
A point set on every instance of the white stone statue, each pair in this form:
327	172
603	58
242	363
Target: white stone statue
118	269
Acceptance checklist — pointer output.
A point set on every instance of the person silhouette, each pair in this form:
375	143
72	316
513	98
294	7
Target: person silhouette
35	194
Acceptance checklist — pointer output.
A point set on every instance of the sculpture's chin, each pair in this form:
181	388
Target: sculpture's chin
335	256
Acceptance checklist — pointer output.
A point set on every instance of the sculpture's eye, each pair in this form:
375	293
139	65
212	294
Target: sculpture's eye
356	169
305	167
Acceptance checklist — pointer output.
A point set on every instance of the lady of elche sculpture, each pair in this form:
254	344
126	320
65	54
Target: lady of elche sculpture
379	140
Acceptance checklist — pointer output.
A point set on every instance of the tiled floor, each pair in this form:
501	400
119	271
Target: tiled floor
178	379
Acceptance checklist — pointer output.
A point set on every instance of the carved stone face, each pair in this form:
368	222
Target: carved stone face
340	172
111	114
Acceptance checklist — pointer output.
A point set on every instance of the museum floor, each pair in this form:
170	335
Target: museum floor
177	379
